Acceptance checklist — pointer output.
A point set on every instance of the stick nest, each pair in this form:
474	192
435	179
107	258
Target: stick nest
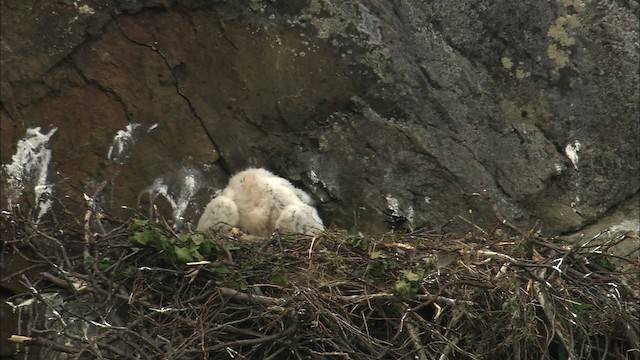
136	290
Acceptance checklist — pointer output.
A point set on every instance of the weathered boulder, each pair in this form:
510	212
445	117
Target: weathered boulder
388	112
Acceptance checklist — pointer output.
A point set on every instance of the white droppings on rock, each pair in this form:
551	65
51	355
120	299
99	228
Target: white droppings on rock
314	177
84	9
122	144
190	186
321	182
30	164
626	226
394	205
559	168
571	150
179	200
410	214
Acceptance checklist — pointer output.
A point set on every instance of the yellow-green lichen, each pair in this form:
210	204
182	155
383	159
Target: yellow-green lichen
578	5
521	74
561	37
257	6
314	7
507	63
559	56
559	30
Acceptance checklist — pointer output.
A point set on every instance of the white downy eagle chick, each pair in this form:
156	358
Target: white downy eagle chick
259	202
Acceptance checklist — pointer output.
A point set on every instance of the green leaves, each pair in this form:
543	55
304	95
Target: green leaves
409	284
377	267
413	276
103	265
183	249
583	307
183	255
279	277
359	242
146	235
405	288
602	260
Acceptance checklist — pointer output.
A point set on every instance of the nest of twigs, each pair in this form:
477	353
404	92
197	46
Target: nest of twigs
137	290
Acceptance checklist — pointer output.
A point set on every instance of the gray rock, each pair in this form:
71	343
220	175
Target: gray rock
390	113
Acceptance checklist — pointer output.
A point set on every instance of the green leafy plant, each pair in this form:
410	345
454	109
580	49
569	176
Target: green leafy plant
359	242
377	267
602	260
103	265
231	278
408	284
181	249
279	277
583	307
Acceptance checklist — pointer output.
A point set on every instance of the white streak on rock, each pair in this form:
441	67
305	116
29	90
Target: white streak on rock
190	185
627	226
559	168
187	188
317	180
394	205
30	163
84	9
122	144
571	150
314	177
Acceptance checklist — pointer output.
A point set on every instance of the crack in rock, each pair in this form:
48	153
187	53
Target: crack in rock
155	48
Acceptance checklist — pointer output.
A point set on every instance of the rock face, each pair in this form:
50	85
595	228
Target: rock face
387	112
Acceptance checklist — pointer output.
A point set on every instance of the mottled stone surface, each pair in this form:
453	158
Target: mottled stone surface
384	111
